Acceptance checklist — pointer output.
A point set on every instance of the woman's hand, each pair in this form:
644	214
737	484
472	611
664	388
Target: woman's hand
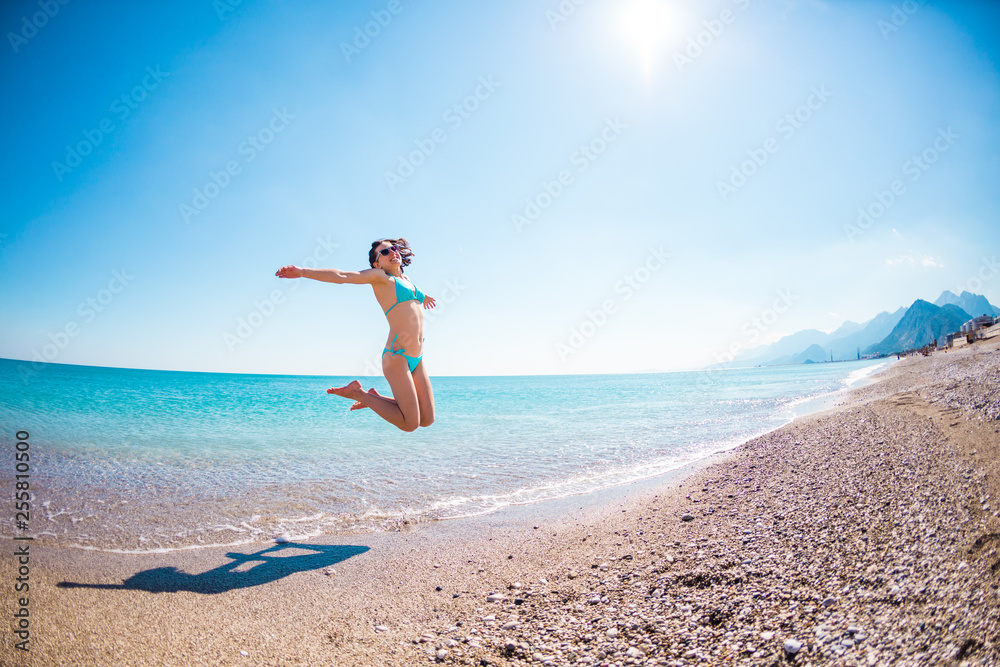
429	302
289	272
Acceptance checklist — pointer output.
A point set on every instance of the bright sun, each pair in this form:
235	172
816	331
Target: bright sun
646	24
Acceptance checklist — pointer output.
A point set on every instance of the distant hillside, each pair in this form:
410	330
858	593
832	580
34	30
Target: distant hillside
812	354
844	342
923	323
957	312
874	332
973	304
786	347
883	334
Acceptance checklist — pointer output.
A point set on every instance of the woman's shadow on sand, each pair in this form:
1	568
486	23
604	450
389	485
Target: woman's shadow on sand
268	567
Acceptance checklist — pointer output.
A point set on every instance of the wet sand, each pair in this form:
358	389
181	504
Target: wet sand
867	534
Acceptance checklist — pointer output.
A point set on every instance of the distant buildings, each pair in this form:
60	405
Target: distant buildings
988	327
977	323
978	328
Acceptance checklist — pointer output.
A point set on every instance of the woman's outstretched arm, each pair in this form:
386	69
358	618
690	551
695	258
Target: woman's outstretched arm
337	276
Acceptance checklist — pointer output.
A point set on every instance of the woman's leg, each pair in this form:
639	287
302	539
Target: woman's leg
403	409
358	405
425	394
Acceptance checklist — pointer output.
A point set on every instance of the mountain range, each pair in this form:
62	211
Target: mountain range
905	328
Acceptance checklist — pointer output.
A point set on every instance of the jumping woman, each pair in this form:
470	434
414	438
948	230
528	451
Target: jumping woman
412	401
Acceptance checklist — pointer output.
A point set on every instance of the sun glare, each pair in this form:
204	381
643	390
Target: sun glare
646	25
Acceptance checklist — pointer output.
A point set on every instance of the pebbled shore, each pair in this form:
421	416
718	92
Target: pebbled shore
865	535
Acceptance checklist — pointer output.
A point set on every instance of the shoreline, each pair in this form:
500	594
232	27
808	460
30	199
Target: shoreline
856	531
640	477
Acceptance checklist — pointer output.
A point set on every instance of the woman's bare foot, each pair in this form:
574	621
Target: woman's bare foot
358	405
352	390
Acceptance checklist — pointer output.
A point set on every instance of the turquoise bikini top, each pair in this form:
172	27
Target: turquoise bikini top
404	293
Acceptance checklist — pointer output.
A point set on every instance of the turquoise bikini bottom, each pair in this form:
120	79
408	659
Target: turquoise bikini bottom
412	362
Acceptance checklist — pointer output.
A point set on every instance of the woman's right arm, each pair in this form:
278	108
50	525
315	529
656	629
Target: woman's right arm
337	276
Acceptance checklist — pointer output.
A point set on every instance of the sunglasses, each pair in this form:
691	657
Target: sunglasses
385	251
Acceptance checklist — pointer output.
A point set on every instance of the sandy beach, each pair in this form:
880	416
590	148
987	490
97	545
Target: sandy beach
868	534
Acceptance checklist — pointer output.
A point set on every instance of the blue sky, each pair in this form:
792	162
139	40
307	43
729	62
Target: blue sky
627	186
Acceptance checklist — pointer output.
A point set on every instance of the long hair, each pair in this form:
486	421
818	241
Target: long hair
404	251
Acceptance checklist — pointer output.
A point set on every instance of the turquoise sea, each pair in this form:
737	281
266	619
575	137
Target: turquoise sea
143	461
